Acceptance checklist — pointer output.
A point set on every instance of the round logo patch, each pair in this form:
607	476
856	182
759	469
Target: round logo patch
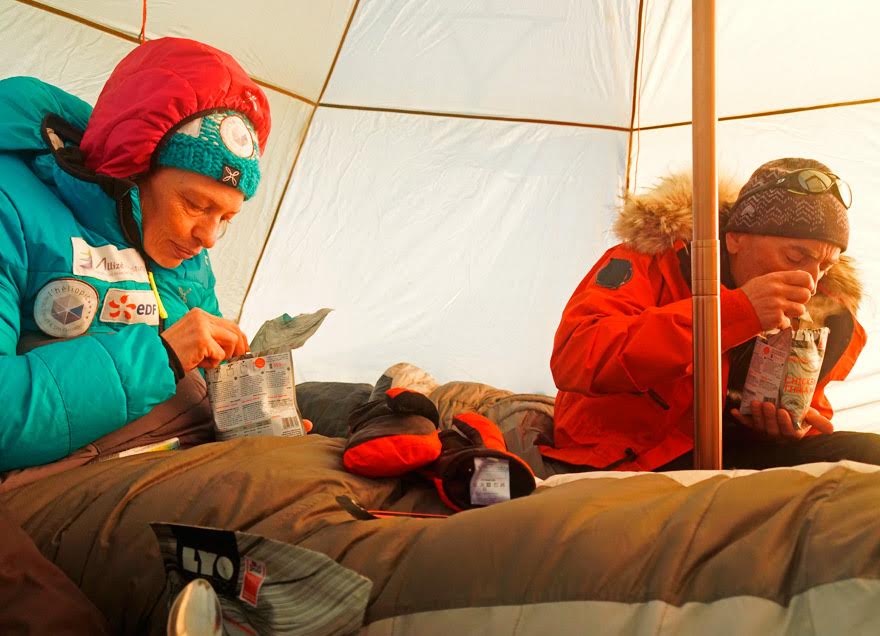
65	307
237	136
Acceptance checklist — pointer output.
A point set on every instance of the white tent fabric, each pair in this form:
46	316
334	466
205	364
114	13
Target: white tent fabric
444	172
770	56
290	43
566	60
404	251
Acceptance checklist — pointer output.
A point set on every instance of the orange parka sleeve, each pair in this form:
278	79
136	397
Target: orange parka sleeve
633	336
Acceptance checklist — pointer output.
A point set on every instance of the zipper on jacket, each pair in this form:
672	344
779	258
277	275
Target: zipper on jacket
162	313
629	456
659	400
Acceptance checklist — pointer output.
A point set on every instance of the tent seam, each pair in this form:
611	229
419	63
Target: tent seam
302	144
514	120
635	100
771	113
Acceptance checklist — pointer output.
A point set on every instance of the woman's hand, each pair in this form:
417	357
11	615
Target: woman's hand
203	340
776	424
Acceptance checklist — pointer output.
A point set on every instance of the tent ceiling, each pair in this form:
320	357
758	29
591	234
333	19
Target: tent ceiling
81	59
562	61
771	56
292	49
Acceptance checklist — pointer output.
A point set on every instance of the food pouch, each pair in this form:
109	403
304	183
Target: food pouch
766	369
784	370
802	369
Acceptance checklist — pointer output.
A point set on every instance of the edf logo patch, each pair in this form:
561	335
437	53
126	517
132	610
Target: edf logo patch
130	307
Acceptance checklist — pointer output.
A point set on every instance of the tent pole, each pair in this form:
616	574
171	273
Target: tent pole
705	245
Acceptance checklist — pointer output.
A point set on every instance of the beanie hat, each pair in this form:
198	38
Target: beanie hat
778	212
221	145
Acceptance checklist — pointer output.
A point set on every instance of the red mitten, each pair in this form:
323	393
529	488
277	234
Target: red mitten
474	468
392	435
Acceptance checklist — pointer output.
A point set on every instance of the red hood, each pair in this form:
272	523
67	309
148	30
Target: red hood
156	86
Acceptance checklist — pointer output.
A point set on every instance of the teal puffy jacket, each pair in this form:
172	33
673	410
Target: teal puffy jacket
68	269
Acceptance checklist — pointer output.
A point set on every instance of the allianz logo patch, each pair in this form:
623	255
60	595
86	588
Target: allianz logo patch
107	262
130	307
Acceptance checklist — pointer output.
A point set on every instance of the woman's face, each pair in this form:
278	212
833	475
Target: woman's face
183	212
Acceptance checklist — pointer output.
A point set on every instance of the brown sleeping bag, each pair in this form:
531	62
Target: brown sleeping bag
647	553
634	554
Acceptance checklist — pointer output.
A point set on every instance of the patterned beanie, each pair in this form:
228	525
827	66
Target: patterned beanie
220	145
778	212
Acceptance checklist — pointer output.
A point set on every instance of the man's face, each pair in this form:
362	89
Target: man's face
753	255
183	212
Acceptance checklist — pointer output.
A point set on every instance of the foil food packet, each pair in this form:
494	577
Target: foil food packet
802	370
255	394
784	370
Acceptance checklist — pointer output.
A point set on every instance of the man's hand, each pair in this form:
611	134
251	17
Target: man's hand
776	424
203	340
779	296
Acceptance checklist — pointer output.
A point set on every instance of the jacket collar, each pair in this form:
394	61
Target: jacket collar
106	205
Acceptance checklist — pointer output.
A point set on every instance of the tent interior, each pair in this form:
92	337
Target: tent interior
443	174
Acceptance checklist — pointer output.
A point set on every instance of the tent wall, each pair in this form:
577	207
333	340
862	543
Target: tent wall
451	243
459	173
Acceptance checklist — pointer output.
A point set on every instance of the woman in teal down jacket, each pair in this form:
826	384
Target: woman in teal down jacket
105	217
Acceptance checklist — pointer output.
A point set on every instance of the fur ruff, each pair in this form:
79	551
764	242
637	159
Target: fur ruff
652	222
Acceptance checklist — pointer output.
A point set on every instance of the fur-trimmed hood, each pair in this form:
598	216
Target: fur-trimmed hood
652	222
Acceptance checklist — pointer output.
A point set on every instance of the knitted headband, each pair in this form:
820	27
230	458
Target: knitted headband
778	212
220	145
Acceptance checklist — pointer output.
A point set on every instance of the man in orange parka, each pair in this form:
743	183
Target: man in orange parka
623	357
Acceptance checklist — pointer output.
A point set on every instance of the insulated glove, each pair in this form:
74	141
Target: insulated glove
475	468
393	434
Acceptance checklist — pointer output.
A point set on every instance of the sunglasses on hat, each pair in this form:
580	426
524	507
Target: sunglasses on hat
808	181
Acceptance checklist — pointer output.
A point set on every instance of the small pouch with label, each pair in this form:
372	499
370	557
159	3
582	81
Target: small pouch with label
475	468
766	369
802	369
264	586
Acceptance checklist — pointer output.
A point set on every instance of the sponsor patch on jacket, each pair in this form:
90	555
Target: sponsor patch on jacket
65	307
615	274
130	307
107	262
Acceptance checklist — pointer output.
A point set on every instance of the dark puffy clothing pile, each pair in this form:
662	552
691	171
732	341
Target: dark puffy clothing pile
396	433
